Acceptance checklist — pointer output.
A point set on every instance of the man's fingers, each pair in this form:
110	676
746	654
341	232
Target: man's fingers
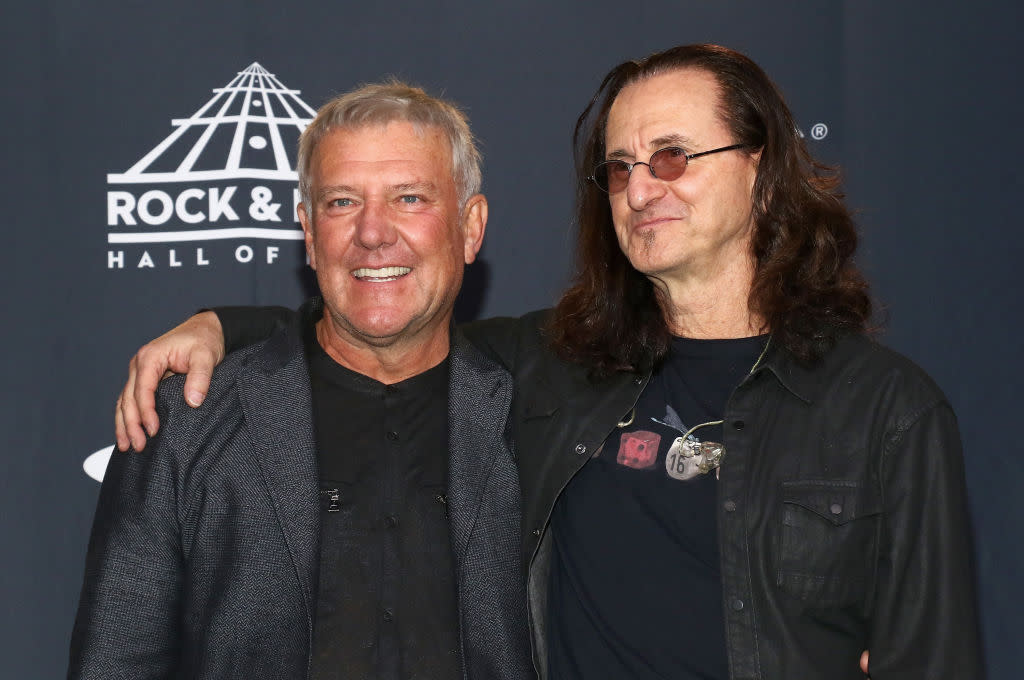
148	367
864	661
130	421
197	382
120	433
193	347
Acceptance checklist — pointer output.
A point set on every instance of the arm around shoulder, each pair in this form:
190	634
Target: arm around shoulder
195	347
504	338
247	325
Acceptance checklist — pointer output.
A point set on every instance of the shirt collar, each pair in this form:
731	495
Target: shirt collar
797	377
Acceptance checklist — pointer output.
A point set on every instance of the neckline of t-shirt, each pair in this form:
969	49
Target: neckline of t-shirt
338	374
701	348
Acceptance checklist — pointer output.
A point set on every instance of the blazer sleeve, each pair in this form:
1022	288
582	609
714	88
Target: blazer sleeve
925	619
128	615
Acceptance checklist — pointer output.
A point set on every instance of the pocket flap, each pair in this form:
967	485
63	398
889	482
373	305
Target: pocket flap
837	501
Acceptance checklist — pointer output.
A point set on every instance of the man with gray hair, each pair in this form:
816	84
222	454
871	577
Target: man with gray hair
324	513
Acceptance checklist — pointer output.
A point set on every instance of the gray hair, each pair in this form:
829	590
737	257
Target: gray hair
391	101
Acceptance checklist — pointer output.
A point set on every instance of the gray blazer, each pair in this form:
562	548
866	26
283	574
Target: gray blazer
203	560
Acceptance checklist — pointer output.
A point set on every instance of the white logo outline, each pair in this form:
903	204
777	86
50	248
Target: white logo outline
253	96
253	79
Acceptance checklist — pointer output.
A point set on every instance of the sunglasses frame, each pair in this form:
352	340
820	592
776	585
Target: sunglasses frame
629	166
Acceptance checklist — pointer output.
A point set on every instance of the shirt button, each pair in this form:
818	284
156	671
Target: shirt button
736	604
730	506
836	509
581	449
536	532
738	424
388	616
392	435
391	521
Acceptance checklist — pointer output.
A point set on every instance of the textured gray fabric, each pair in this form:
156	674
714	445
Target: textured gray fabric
203	557
484	511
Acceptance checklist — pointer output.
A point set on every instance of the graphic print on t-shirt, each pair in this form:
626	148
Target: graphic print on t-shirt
638	449
640	446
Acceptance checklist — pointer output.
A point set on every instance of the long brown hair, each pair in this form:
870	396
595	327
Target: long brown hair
806	286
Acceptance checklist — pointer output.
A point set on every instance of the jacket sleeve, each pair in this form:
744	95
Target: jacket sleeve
925	620
503	339
247	325
128	615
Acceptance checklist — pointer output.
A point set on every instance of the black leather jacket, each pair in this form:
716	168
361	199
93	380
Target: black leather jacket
842	506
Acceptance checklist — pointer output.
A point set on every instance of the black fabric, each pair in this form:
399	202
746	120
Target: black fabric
635	586
842	517
242	326
386	606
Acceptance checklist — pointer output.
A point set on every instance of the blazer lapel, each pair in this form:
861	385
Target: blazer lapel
276	402
479	394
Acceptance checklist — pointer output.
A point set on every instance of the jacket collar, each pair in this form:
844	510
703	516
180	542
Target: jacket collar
479	396
276	402
803	380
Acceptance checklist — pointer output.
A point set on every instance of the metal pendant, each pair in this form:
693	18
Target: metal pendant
689	457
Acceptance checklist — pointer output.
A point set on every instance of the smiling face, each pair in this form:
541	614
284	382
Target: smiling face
700	224
387	238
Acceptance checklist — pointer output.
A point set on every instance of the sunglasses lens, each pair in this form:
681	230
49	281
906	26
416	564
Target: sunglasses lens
612	176
669	163
666	164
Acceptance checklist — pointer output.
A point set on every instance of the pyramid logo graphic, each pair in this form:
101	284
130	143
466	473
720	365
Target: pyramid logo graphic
226	172
253	110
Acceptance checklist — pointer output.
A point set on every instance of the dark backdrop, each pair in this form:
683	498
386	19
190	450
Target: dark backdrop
921	105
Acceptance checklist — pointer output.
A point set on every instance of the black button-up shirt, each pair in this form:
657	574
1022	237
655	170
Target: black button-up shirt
387	604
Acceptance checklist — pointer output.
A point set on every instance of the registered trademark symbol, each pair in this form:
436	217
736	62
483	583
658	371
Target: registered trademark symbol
819	131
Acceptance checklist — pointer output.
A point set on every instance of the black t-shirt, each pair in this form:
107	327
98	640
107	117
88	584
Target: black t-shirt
386	605
635	588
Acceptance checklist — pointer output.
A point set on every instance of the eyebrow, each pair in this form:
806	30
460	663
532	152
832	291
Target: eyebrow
334	189
673	139
424	187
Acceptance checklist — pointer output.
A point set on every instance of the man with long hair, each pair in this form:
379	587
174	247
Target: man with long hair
723	476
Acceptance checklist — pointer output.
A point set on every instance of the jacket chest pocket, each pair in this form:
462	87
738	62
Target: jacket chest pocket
828	540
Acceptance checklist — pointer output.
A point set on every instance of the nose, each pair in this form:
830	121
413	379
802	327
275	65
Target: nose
373	227
643	188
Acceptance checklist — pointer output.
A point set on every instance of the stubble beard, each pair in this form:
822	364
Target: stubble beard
648	242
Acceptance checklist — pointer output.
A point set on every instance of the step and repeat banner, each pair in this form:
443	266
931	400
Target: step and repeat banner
148	170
